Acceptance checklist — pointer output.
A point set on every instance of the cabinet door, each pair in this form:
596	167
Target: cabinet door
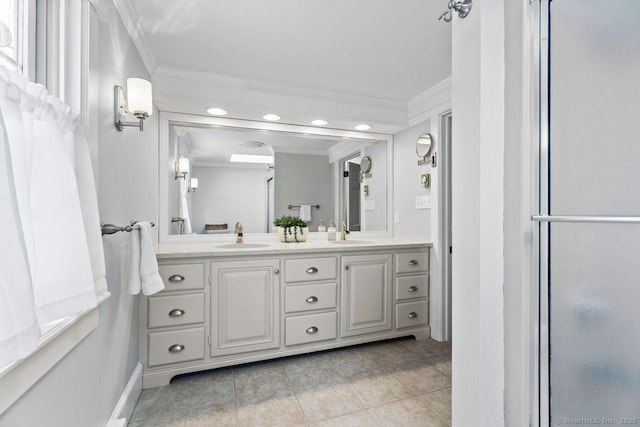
245	303
366	294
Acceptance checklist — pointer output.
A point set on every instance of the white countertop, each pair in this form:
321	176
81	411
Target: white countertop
209	249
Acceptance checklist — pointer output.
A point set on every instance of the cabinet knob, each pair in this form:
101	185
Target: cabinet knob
276	271
346	267
413	262
312	299
312	270
413	288
176	278
312	330
176	312
412	315
176	348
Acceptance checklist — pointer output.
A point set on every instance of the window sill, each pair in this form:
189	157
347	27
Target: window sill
58	340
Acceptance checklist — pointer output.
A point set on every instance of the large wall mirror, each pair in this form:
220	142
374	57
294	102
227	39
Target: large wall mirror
215	172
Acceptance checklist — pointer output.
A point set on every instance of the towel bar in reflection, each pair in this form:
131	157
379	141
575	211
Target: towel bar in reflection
298	206
112	228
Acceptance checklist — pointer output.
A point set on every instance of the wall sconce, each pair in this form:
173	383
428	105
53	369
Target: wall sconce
182	168
193	185
136	100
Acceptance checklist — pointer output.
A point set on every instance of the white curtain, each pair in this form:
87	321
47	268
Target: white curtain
184	205
51	255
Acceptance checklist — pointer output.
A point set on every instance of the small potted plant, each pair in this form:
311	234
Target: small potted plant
291	229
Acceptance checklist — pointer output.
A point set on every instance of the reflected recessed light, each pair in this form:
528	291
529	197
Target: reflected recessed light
217	111
251	144
271	117
362	127
319	122
250	158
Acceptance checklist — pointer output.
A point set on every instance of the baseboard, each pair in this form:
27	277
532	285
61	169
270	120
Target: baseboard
127	401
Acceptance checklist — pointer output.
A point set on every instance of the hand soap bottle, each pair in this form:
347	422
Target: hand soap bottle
321	227
331	231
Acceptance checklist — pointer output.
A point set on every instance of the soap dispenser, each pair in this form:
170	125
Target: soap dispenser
321	227
331	231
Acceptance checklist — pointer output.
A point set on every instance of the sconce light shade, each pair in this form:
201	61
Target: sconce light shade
193	184
182	167
139	94
136	100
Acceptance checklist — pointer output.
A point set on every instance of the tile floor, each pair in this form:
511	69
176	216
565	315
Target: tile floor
400	382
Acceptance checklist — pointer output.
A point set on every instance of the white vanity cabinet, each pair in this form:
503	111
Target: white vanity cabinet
223	308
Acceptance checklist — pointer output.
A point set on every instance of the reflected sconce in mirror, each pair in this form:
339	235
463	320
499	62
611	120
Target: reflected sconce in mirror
424	147
182	168
136	100
193	185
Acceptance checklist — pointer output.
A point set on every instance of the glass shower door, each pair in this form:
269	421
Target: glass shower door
590	213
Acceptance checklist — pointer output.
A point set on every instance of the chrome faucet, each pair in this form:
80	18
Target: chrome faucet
239	234
343	231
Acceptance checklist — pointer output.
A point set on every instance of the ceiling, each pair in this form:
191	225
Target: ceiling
349	62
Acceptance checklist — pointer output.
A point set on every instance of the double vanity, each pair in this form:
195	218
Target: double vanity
227	304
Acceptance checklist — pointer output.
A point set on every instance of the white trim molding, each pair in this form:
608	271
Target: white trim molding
430	103
131	21
102	9
128	399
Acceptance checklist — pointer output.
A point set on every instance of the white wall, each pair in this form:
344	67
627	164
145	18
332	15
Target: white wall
230	195
83	388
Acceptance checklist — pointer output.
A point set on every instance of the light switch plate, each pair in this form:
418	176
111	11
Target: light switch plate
423	202
396	217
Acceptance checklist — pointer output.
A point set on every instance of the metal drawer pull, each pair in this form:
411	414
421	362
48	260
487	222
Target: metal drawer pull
412	315
176	348
176	278
413	289
413	262
312	270
276	271
176	312
312	330
312	299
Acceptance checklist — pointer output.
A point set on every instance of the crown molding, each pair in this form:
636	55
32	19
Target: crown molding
131	21
430	103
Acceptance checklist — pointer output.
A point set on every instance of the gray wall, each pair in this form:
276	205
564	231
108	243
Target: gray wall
83	388
303	179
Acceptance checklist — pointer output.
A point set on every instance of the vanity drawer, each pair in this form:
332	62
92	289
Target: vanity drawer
310	297
180	277
310	328
300	270
409	287
409	262
412	314
176	310
176	346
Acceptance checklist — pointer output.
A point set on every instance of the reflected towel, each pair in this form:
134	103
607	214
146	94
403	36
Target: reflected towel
143	266
305	213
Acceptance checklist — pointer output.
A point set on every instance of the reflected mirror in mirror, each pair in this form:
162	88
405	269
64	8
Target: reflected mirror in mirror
424	146
253	176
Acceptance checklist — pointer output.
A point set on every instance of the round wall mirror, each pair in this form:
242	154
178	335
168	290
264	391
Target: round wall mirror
365	164
424	145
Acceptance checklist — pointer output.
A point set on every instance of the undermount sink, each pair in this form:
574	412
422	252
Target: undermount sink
243	246
351	242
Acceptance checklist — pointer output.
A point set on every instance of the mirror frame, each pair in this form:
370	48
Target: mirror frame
167	119
423	159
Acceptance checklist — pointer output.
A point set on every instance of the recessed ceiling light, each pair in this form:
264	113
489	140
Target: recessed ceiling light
271	117
251	158
217	111
251	144
362	127
319	122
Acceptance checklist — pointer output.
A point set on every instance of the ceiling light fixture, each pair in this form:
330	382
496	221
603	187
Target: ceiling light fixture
362	127
271	117
215	111
251	158
319	122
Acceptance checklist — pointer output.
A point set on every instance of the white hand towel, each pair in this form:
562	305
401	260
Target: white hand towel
143	266
305	213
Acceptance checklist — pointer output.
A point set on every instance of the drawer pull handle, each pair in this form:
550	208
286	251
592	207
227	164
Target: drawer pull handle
176	278
413	262
176	348
412	315
312	270
312	299
312	330
413	289
176	313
